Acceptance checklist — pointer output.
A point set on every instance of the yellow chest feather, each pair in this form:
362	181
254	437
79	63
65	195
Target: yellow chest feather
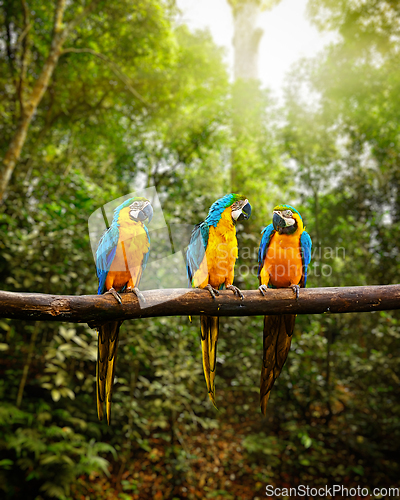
283	264
133	244
218	263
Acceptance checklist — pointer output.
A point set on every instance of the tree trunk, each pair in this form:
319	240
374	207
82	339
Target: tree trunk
29	107
245	91
14	151
246	40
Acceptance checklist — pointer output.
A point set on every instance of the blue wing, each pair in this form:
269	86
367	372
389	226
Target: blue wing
105	254
305	245
196	249
267	233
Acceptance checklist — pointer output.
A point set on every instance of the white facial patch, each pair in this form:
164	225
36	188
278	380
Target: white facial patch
237	208
236	214
134	213
136	207
289	222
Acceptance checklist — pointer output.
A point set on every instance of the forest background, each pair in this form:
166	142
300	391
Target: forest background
134	98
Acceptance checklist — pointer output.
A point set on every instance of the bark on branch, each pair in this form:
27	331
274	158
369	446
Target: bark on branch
95	309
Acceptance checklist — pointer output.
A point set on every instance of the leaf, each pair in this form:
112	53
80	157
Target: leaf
5	326
55	394
59	378
6	464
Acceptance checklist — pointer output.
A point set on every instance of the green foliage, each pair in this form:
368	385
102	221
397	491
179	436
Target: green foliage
49	446
345	146
257	169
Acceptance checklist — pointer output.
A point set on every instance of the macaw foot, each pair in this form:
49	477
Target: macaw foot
115	294
296	289
263	289
213	291
235	290
137	292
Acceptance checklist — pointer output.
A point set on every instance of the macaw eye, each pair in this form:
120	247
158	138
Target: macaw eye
236	205
287	213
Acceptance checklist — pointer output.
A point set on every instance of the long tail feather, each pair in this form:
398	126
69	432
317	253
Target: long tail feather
106	360
278	332
209	338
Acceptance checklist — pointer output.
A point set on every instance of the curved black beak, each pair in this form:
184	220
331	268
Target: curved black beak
142	215
278	221
147	213
246	212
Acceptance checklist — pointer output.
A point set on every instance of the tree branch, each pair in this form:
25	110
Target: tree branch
113	66
80	17
96	309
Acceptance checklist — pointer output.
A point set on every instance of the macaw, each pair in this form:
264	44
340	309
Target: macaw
283	258
210	258
121	257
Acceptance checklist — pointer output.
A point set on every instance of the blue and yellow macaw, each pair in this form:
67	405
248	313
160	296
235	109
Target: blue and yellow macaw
211	257
121	257
283	258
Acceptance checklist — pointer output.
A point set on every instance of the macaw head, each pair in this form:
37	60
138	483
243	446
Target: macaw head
136	209
240	208
140	209
286	219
